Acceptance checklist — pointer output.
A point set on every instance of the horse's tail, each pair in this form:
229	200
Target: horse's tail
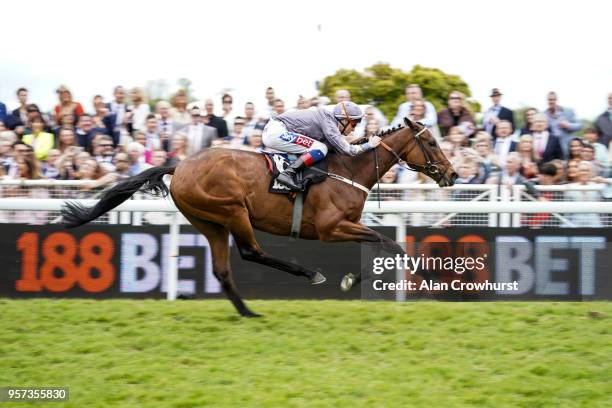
74	214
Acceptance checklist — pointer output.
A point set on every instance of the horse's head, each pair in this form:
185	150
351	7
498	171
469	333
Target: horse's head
423	154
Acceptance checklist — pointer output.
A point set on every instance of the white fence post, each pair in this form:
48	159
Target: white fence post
172	278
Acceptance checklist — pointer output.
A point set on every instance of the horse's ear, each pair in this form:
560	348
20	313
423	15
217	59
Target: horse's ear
410	124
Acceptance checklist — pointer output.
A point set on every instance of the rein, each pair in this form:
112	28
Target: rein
430	167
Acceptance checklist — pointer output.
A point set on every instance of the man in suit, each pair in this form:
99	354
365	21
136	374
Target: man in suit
199	135
503	144
214	121
603	124
496	113
546	144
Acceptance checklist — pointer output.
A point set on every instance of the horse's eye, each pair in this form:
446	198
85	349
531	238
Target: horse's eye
432	143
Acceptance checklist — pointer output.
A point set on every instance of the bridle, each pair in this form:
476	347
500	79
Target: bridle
430	167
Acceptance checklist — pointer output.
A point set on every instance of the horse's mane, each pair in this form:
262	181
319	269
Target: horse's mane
380	134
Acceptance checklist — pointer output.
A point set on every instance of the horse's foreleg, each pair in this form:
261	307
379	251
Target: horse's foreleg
351	231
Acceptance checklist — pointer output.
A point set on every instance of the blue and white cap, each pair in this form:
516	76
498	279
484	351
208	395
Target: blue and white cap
348	110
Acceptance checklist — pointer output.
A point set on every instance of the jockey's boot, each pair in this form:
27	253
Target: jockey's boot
287	177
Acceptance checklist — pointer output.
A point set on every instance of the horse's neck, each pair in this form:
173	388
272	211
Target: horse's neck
363	167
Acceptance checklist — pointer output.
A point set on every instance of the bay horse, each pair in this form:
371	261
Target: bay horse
222	191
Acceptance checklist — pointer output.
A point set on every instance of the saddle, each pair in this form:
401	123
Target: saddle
307	176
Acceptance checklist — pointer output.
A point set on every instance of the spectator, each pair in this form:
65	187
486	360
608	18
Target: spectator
228	114
166	125
528	116
529	156
547	145
199	135
270	98
179	149
19	116
496	113
104	119
591	135
28	168
417	114
488	162
159	158
249	120
278	108
179	112
67	121
413	94
66	164
575	148
584	177
141	138
138	111
468	174
49	167
119	108
122	166
342	95
588	155
96	177
572	170
6	155
85	131
20	150
3	113
236	139
151	132
135	153
103	152
547	174
456	114
456	136
66	105
603	124
560	175
372	128
503	142
40	140
255	139
562	122
511	175
65	139
214	121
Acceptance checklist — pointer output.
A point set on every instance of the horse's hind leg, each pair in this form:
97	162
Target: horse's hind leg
251	251
218	238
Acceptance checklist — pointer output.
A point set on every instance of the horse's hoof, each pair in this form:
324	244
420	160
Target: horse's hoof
347	282
317	279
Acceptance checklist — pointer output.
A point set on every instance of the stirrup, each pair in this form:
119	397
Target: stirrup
288	181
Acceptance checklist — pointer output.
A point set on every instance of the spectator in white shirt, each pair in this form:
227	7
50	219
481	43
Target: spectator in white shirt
414	93
139	110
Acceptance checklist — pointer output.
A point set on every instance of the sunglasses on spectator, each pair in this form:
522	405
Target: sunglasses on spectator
238	123
454	97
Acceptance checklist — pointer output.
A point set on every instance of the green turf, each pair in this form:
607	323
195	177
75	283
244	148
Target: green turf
310	353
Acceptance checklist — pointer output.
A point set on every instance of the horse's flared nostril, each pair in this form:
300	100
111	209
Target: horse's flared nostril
453	177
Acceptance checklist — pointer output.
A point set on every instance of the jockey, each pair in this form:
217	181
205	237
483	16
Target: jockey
303	132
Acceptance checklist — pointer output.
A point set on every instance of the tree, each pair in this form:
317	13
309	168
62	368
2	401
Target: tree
383	86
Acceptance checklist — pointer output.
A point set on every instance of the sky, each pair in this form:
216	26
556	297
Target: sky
525	48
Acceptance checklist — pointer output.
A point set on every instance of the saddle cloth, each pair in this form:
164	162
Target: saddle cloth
278	162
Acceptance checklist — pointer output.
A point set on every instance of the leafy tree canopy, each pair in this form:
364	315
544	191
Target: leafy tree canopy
384	86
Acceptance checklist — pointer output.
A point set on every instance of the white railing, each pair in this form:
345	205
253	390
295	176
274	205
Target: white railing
426	216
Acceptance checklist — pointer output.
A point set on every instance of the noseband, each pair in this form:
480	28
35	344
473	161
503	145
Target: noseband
430	167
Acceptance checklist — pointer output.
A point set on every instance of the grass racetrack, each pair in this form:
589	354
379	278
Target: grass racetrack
309	353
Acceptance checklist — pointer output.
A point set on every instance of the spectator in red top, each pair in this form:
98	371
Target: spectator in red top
66	105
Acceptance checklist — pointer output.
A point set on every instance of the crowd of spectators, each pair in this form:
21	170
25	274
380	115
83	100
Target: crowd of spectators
107	141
